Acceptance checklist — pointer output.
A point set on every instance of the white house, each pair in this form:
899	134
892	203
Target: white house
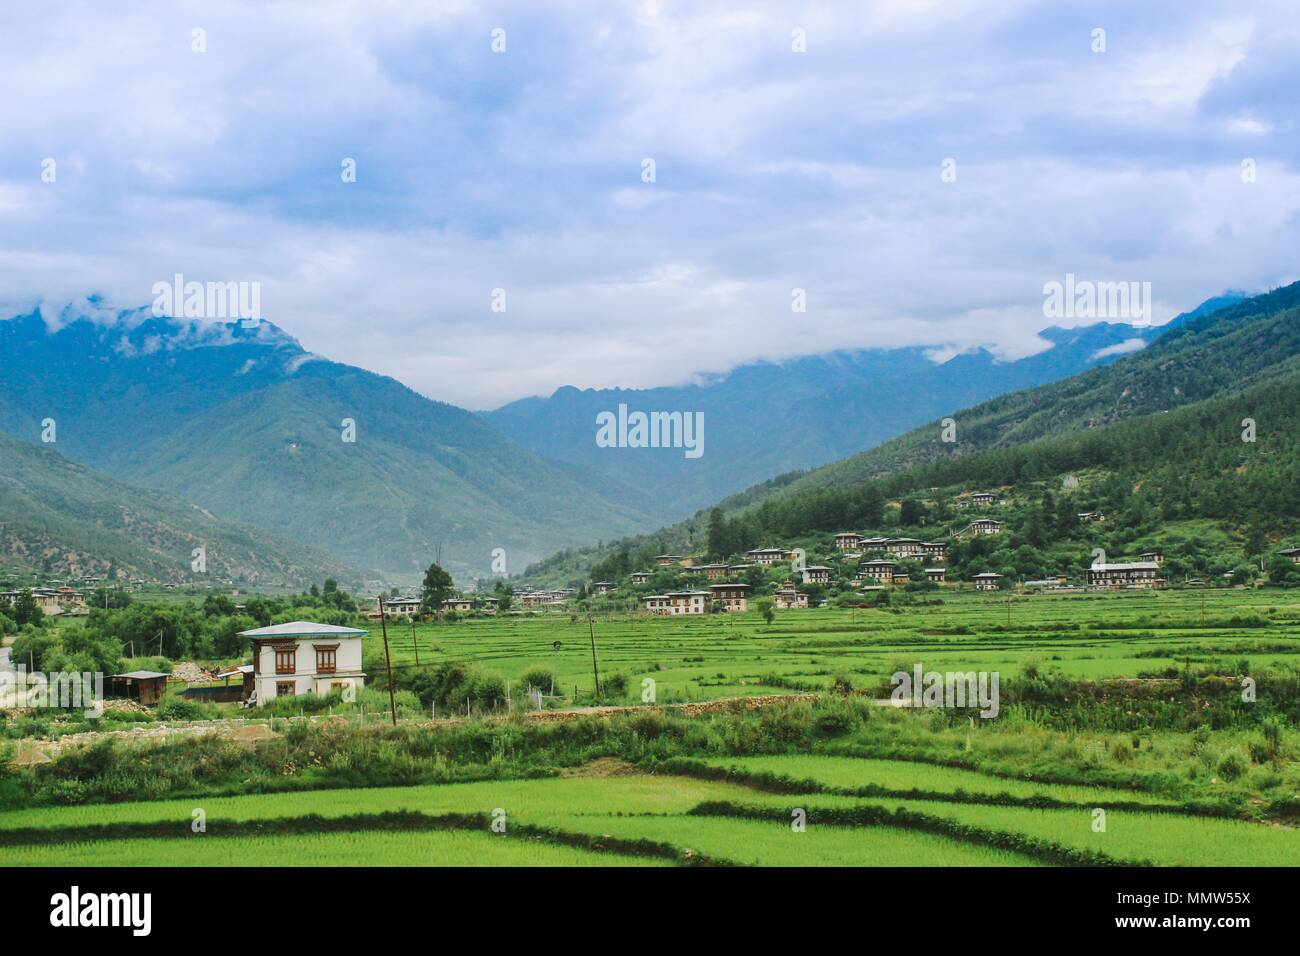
678	602
302	657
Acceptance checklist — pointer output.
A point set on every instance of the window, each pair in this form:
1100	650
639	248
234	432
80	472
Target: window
326	659
286	660
286	688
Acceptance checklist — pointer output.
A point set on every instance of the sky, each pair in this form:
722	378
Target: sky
919	169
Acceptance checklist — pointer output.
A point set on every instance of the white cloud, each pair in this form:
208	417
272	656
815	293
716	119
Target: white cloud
1119	348
522	171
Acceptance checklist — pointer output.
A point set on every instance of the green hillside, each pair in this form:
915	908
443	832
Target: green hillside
387	500
61	518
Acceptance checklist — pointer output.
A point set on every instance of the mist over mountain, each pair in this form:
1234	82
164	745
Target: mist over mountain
766	419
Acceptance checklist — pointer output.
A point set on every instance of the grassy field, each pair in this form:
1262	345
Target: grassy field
1110	634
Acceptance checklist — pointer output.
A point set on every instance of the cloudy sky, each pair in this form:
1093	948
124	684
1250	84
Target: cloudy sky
522	170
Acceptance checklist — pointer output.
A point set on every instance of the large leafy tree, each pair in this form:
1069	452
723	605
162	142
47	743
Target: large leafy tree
26	610
437	587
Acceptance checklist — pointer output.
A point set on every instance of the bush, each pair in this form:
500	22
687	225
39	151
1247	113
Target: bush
614	685
536	677
177	708
1231	767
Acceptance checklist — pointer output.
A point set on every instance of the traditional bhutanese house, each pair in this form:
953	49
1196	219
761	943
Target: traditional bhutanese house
901	577
678	602
848	540
71	601
1157	556
788	597
641	577
401	607
934	550
937	575
766	555
555	598
981	526
303	657
734	570
1292	553
881	570
602	587
1091	517
905	547
712	572
733	597
875	544
666	560
457	604
147	687
1131	574
987	581
47	599
816	574
983	499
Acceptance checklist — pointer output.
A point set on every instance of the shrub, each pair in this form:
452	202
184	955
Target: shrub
177	708
537	677
1231	767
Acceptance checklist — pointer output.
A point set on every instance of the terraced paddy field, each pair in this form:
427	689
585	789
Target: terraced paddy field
1083	766
1100	634
631	817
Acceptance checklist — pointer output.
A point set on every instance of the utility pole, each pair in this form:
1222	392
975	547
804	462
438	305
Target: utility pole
383	623
415	641
555	662
595	672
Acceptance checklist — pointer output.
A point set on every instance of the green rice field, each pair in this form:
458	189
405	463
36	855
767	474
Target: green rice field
1086	634
838	780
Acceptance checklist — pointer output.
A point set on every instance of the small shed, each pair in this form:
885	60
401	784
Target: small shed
246	681
147	687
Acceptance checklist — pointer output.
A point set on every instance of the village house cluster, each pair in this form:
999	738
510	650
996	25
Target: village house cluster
53	601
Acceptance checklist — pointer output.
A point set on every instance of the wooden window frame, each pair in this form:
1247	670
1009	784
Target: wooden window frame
286	658
280	686
324	652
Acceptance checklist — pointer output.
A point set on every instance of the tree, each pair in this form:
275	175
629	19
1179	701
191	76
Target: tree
437	587
911	513
719	540
218	605
26	610
766	607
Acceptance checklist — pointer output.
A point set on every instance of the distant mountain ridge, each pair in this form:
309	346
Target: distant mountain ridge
239	419
767	419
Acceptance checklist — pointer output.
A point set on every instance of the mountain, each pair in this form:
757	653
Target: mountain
766	419
1165	423
248	425
58	517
